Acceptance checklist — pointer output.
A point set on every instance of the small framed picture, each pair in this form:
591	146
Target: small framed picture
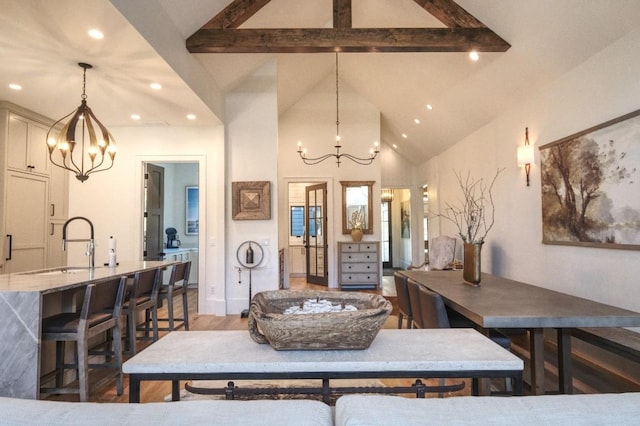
192	205
251	200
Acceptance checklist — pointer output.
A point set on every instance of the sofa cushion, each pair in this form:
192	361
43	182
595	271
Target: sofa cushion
214	412
592	409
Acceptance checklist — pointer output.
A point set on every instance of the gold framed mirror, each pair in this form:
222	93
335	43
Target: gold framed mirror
357	206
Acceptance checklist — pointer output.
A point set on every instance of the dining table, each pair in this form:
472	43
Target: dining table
503	303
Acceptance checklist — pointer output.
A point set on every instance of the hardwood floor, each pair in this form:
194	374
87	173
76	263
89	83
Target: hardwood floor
588	378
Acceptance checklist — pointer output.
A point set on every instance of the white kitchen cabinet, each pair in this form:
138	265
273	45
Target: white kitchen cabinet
58	194
25	227
27	146
55	255
297	261
182	255
33	193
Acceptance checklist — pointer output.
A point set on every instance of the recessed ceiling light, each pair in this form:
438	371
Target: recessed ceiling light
135	117
155	86
191	116
95	34
473	55
14	86
404	135
429	107
394	146
416	120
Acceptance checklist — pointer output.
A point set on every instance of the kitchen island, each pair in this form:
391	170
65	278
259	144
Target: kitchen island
25	299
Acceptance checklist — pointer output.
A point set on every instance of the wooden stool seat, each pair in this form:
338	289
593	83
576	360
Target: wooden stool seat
100	314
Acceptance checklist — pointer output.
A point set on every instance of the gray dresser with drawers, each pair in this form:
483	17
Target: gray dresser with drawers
359	265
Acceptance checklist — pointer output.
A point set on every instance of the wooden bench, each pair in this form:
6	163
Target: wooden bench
620	341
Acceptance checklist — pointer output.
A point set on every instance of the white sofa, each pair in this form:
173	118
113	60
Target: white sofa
350	410
219	412
600	409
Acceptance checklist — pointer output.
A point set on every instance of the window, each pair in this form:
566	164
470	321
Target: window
297	221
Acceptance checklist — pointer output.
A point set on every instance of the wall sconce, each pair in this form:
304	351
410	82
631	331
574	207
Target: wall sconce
525	154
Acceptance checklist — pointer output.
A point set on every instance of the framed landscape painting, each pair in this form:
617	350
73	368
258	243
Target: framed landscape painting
591	186
192	204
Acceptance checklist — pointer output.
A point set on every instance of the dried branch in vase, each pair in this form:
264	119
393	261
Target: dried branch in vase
474	215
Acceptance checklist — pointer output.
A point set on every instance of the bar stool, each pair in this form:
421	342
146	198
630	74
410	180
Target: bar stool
177	286
143	297
100	313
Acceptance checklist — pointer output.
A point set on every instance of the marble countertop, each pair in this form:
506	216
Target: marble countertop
52	280
235	352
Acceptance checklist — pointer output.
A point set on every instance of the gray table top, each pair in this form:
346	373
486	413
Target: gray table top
392	350
503	303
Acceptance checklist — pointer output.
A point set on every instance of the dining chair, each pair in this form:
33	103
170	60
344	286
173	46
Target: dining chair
177	286
100	314
413	289
442	250
434	315
404	305
143	297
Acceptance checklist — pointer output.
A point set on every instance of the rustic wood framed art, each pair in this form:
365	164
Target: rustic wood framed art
590	194
251	200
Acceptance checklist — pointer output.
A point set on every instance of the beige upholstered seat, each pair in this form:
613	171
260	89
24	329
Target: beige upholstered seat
100	314
177	287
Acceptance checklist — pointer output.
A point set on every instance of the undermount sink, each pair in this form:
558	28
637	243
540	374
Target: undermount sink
60	271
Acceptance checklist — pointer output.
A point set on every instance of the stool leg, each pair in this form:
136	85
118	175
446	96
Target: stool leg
117	349
59	363
131	332
147	319
154	319
185	309
400	320
170	309
83	368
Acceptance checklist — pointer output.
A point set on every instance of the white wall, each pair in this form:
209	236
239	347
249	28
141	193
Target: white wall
312	120
252	155
112	200
604	87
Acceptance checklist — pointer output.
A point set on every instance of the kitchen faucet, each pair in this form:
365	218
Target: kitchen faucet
90	247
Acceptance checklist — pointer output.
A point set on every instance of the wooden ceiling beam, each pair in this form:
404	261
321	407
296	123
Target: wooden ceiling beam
235	14
317	40
450	13
342	14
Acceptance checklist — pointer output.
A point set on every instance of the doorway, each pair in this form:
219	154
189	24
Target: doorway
316	233
153	214
395	207
307	233
168	189
387	242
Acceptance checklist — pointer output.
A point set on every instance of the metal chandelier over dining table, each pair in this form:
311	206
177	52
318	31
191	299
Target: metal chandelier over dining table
373	153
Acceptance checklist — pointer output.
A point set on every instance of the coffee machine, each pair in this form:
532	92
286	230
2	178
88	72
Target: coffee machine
173	241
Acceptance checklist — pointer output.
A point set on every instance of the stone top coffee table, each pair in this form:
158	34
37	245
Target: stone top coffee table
232	355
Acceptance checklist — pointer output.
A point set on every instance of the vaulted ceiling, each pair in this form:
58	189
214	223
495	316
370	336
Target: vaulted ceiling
41	41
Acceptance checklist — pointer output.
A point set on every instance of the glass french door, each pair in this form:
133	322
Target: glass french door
315	234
